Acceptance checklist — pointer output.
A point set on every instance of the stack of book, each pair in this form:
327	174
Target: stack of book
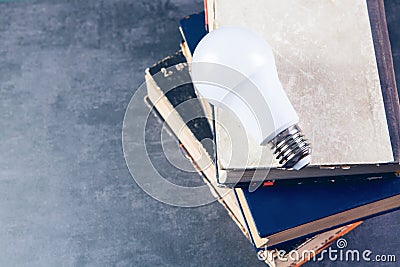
334	61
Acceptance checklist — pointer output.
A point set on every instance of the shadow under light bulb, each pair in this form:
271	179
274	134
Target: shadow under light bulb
234	68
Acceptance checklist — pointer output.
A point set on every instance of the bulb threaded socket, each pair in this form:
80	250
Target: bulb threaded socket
291	149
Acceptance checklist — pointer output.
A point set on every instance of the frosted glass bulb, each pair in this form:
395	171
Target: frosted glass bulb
234	68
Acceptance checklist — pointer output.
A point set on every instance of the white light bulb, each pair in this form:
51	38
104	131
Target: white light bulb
234	68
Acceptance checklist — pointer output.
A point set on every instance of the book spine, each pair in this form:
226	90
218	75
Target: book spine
224	195
209	10
206	14
317	246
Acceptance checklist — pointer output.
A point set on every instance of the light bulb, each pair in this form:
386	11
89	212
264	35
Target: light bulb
234	68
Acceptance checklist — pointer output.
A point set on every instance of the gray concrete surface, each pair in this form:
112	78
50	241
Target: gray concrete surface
67	72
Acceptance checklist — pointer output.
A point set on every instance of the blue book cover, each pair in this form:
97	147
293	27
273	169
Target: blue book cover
288	210
193	29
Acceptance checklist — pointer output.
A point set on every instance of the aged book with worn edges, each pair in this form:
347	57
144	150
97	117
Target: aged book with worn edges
347	139
163	103
287	210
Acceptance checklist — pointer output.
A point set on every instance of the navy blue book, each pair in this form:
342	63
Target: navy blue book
288	211
193	29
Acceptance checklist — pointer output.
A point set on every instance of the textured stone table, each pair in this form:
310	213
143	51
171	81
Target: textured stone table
67	72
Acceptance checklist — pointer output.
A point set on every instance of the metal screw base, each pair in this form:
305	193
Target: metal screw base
290	147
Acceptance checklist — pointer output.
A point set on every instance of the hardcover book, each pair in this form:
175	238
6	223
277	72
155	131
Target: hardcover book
288	210
335	64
